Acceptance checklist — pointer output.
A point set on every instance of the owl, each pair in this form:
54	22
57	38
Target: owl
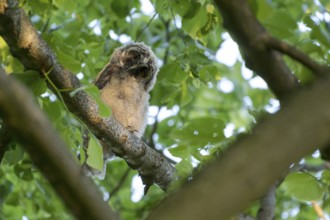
124	84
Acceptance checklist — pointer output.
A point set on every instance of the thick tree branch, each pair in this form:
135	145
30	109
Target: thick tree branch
28	47
246	31
248	168
48	152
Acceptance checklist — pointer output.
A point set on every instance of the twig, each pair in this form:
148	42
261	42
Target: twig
176	27
45	27
273	43
319	211
54	87
167	39
120	183
145	27
151	142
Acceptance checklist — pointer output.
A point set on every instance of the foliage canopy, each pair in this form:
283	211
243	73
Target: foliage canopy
198	106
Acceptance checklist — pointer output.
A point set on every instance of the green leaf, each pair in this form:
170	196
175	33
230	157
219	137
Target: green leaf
303	186
194	25
200	131
309	47
181	151
6	189
33	81
318	33
263	8
68	61
172	73
121	8
95	154
93	91
65	5
39	6
209	73
24	170
326	177
163	8
13	156
185	8
276	21
55	110
186	97
171	85
184	168
196	82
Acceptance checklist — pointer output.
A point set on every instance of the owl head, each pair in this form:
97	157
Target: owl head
136	60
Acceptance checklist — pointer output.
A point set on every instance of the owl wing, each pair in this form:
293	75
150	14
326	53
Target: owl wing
104	76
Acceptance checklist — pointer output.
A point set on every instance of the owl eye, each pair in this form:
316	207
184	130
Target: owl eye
142	72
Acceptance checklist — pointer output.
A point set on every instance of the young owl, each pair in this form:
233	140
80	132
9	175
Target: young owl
125	83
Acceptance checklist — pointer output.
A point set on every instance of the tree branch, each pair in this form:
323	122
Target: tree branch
310	168
120	183
267	204
281	46
48	152
246	31
33	52
248	168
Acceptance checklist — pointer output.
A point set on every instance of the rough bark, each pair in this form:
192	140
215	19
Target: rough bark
49	153
33	52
